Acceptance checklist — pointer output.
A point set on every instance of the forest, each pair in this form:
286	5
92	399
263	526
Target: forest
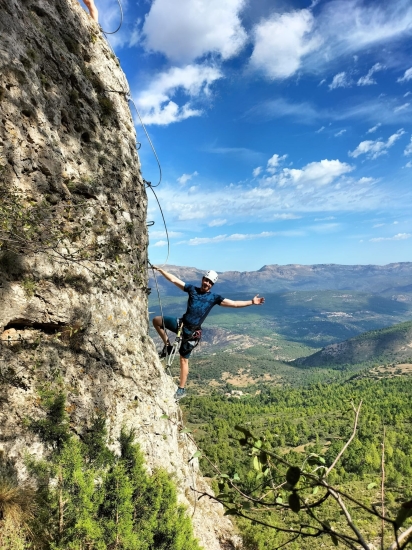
315	420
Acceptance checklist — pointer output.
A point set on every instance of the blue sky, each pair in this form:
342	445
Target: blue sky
283	128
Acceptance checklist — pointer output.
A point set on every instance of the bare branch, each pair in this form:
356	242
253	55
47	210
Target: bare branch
348	441
403	539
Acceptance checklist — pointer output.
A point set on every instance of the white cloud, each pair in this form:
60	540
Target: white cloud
408	164
364	180
315	173
274	162
324	219
286	217
240	237
257	171
184	178
406	77
367	80
341	132
374	149
408	149
374	128
160	243
401	107
398	237
320	130
378	225
349	26
156	104
407	93
281	42
294	41
217	223
340	80
184	30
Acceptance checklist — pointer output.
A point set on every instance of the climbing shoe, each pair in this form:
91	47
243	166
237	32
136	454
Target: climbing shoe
180	392
167	350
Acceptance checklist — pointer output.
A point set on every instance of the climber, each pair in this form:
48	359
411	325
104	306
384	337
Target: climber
199	304
94	14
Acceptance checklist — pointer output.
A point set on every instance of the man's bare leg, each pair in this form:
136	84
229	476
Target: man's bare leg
94	14
158	325
184	371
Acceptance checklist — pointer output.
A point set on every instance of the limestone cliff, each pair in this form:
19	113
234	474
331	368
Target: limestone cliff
73	266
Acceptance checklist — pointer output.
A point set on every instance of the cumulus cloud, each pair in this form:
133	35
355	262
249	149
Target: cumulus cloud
281	42
285	43
315	173
274	162
257	171
407	76
156	104
340	80
408	149
408	164
374	149
398	237
184	30
184	178
367	80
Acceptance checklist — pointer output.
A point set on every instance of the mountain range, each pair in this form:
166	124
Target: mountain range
395	278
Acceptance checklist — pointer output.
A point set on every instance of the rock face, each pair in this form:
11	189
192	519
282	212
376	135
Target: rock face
73	266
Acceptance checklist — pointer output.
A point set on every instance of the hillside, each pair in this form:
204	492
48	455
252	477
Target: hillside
385	345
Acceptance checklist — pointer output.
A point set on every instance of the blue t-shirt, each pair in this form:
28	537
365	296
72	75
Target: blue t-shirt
199	305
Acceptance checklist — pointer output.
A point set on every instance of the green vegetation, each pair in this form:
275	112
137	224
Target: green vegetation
87	496
316	419
387	344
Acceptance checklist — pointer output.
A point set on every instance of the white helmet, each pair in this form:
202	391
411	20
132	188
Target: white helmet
211	275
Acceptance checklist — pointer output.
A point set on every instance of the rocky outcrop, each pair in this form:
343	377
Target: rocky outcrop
73	266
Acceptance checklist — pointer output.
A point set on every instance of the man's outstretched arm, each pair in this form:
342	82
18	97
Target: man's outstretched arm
172	278
256	301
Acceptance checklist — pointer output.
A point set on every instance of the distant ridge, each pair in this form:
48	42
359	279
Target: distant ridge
388	344
395	277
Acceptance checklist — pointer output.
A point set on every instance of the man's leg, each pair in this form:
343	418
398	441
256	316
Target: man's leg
158	325
94	14
184	371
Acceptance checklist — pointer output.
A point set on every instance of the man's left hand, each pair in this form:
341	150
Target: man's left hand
258	301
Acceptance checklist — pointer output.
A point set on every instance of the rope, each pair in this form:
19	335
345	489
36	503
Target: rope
161	313
164	221
130	98
121	21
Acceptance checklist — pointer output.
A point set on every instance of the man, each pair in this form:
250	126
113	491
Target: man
199	304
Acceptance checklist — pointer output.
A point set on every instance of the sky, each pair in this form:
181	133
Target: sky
283	128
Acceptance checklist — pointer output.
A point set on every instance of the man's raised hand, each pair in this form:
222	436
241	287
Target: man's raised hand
256	301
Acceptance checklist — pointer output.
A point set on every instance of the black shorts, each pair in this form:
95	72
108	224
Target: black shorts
188	343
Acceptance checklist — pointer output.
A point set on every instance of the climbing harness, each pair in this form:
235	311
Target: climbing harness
194	337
